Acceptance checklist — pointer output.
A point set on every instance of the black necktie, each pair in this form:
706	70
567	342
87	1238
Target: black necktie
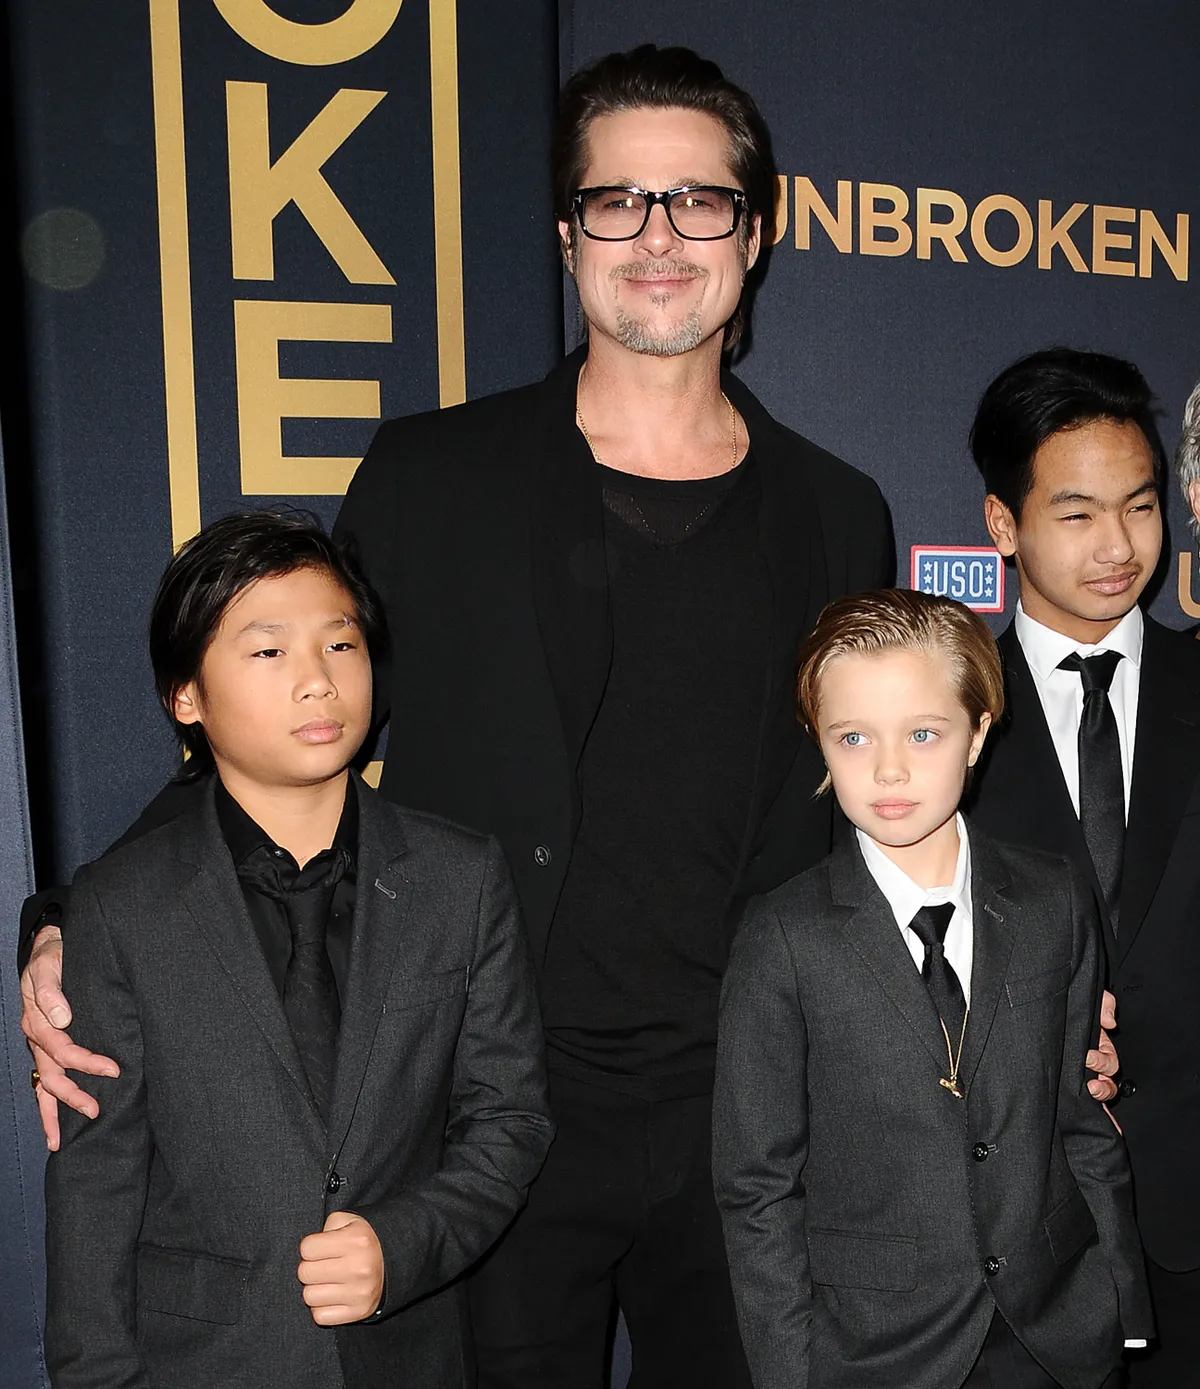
1101	779
930	925
310	996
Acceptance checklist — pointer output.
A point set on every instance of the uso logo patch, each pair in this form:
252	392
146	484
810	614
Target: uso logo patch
973	574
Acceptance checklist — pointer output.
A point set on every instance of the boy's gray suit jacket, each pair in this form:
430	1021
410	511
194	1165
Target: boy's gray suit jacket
874	1222
174	1218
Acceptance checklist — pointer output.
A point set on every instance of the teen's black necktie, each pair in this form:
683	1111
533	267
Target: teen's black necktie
930	925
310	996
1101	778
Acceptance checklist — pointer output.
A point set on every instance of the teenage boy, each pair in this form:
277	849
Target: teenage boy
331	1096
915	1184
1099	759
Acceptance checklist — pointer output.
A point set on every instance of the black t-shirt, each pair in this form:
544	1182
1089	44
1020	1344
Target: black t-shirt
666	780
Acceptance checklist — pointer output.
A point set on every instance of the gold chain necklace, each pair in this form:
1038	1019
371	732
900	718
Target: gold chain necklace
733	421
954	1057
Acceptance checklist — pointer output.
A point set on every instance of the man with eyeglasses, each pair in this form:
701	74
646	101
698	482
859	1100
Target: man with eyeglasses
596	588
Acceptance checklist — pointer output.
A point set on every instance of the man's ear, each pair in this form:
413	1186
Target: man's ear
1001	524
185	704
1194	498
754	241
566	244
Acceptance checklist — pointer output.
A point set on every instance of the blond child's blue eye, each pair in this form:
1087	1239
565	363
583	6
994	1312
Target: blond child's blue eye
853	740
923	735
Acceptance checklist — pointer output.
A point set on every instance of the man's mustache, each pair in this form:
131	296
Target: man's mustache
655	270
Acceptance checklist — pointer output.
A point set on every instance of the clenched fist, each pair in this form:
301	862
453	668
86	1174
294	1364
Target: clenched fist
341	1270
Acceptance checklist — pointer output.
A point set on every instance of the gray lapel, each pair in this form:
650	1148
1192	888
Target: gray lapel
214	899
994	923
871	929
382	898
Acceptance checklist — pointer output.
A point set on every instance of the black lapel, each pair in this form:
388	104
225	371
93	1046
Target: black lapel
570	574
993	938
794	553
872	931
382	897
1166	761
215	900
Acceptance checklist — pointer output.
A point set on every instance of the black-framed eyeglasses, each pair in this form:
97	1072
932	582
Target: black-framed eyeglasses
697	212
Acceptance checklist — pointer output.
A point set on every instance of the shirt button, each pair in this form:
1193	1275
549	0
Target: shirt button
334	1183
541	856
980	1152
1128	1088
991	1266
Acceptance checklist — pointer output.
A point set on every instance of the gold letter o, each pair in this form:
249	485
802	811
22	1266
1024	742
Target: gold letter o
338	40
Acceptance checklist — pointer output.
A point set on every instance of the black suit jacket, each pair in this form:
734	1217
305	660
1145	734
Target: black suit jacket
1154	958
174	1218
874	1223
483	529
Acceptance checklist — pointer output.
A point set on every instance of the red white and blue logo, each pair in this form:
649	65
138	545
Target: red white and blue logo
973	574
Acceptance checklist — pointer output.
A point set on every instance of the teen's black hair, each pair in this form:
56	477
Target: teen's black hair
211	570
1044	393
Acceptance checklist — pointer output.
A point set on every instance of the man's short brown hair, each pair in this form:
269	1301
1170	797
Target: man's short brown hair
901	619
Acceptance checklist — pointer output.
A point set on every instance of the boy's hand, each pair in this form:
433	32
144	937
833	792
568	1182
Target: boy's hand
1103	1058
45	1013
341	1270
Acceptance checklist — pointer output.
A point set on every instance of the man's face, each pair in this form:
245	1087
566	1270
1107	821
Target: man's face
1090	531
658	294
898	742
284	694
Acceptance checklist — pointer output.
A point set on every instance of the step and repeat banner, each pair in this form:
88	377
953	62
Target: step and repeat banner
959	186
250	230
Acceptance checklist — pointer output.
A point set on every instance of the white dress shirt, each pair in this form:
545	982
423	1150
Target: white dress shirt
1061	691
906	899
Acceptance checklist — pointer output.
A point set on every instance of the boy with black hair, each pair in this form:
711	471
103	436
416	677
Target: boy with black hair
916	1187
1099	759
331	1098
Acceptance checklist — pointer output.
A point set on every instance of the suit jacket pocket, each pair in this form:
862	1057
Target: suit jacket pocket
187	1283
415	991
1035	986
1070	1228
843	1260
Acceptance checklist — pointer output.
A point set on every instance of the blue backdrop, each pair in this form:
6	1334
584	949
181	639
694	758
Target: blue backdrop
960	186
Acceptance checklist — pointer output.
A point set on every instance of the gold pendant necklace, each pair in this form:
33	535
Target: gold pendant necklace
954	1057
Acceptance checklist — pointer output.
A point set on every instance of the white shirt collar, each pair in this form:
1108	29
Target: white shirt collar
1045	648
906	897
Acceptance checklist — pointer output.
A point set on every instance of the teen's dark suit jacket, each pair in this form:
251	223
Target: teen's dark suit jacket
483	529
175	1217
1154	959
874	1223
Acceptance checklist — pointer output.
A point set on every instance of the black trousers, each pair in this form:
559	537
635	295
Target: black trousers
622	1213
1004	1363
1173	1359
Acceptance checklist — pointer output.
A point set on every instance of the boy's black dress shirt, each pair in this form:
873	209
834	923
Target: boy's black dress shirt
246	838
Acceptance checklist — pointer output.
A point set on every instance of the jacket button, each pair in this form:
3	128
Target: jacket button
541	856
334	1183
980	1152
1127	1088
991	1266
